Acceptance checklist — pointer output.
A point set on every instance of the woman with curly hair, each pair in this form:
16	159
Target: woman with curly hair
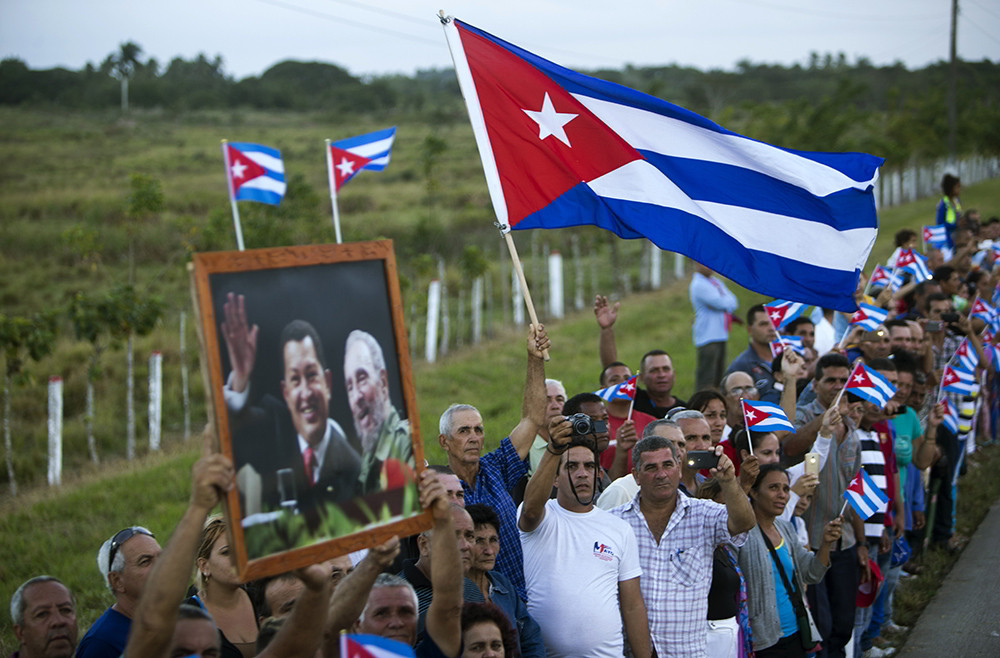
486	633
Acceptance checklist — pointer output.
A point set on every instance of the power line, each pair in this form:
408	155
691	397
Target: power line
347	21
847	17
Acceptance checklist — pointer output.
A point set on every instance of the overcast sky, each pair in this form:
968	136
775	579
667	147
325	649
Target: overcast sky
388	36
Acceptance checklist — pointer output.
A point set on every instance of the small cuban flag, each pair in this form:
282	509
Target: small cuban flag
914	263
967	356
936	236
782	312
957	380
881	278
373	646
983	311
865	496
871	386
950	419
992	355
254	172
621	391
348	157
869	317
793	343
765	417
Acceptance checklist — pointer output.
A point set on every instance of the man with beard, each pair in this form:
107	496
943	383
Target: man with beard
382	432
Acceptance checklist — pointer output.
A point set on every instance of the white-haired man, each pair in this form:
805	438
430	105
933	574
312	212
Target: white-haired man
383	433
124	561
43	613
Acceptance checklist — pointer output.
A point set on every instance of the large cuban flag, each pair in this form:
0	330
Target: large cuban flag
255	172
563	149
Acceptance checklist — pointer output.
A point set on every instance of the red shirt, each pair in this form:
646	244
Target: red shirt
640	419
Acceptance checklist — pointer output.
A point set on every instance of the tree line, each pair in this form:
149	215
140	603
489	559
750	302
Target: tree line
828	104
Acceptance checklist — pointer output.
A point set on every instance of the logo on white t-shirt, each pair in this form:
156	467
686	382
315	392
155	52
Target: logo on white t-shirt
603	552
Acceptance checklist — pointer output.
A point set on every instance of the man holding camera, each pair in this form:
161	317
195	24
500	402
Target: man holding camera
592	552
677	536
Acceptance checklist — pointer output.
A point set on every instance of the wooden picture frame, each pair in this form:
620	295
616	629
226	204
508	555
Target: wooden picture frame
323	433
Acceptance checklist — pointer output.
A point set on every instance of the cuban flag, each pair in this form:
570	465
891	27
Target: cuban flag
563	149
348	157
957	380
983	311
881	277
793	343
254	172
950	419
865	496
936	236
869	385
765	417
914	263
373	646
967	356
996	295
869	317
992	353
782	313
621	391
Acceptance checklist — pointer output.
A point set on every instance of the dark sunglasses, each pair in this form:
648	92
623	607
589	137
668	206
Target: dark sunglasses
123	536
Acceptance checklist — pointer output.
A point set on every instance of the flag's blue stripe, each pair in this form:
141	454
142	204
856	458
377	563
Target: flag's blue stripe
692	236
731	185
365	139
247	146
857	166
260	196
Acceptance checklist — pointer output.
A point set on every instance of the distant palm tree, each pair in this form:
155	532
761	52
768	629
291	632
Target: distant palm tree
123	66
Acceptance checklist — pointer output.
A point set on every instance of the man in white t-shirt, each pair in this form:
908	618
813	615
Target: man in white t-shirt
581	564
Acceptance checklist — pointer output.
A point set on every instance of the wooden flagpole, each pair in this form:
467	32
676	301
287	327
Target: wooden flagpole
746	423
521	280
232	197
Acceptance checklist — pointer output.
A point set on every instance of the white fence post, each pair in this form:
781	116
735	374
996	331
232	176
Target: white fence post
516	299
155	399
678	266
655	268
433	304
477	310
55	430
556	285
184	383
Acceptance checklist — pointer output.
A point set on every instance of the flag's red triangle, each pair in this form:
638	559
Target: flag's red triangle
544	141
857	485
859	379
356	650
345	165
242	169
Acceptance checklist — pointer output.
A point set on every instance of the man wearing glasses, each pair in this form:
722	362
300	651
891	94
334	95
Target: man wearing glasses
124	561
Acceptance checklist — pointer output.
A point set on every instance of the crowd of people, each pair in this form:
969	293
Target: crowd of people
606	525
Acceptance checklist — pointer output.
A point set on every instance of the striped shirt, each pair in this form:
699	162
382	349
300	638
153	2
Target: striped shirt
873	461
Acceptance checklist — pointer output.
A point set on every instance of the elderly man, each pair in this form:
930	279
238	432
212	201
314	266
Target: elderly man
383	433
697	436
677	536
299	435
555	396
571	548
124	561
43	613
489	479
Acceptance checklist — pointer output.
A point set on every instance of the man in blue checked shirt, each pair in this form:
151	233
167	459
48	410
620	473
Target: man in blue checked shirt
488	479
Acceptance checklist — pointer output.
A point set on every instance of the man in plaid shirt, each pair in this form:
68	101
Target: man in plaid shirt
677	536
488	479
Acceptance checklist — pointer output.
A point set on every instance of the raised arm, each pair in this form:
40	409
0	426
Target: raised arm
302	633
347	603
156	615
741	516
625	441
534	401
443	621
606	315
539	487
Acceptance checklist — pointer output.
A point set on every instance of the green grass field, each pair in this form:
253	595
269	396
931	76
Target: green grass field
50	192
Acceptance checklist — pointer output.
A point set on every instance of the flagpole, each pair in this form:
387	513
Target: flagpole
747	425
843	509
232	197
521	280
333	192
631	404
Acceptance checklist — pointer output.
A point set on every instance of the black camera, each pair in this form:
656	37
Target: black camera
584	425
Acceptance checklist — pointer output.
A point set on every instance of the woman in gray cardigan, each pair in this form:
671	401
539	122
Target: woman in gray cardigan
772	611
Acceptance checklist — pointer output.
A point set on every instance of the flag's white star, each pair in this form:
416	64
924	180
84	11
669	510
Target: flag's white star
776	315
859	378
238	168
551	122
751	415
346	167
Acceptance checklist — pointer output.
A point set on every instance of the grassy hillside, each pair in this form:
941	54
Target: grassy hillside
62	229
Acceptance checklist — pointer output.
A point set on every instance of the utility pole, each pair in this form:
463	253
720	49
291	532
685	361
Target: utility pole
952	76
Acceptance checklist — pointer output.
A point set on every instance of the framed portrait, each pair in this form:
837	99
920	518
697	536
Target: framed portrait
308	369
